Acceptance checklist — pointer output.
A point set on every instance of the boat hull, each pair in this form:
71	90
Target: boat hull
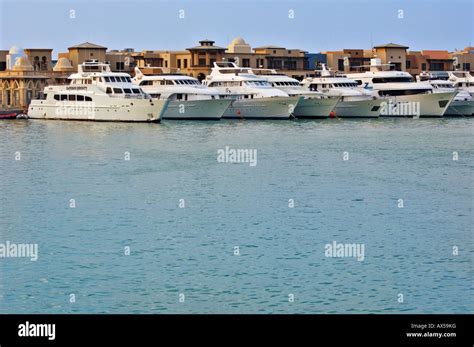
358	108
460	108
197	109
116	110
422	105
263	108
315	107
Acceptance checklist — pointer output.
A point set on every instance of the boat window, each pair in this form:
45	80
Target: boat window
72	97
80	97
63	97
56	97
136	91
127	91
107	79
155	96
123	79
392	80
108	90
129	80
88	98
118	90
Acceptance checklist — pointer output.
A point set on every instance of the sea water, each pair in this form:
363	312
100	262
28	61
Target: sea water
145	218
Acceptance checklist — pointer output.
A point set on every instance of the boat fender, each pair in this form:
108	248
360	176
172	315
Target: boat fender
21	116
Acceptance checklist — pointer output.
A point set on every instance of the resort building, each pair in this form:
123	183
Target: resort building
25	72
349	60
464	60
428	60
21	81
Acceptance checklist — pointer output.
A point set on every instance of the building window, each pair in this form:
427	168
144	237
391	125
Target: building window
120	65
212	61
466	66
179	63
408	63
423	66
92	54
166	63
202	62
340	64
185	61
436	66
246	62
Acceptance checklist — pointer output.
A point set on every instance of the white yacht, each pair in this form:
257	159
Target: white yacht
353	103
403	96
189	99
313	105
253	96
462	80
96	93
462	104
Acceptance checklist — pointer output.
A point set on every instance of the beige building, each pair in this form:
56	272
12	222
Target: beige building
86	51
40	58
292	62
392	53
121	60
349	60
20	82
464	60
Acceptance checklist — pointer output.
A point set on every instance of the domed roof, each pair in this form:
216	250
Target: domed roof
16	50
238	45
22	64
238	41
63	64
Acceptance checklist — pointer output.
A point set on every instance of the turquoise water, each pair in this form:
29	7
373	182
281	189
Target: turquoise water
190	250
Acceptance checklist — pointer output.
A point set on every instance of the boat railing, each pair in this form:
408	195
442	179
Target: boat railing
129	96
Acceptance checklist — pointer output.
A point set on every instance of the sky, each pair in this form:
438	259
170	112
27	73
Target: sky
314	26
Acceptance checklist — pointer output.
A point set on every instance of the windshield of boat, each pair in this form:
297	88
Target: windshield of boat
392	79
